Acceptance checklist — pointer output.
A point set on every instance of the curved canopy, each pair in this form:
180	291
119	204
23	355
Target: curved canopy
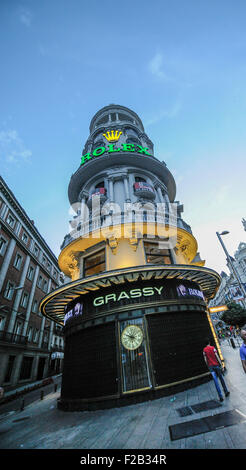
52	306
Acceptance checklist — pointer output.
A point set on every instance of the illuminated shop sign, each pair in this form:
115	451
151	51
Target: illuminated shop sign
161	292
99	151
184	291
132	294
73	312
149	292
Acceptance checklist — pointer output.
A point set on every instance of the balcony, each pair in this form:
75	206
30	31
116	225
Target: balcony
143	189
12	338
100	193
95	223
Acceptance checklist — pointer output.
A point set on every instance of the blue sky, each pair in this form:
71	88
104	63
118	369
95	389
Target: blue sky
180	65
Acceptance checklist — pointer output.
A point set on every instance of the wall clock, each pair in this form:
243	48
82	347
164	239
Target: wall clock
132	337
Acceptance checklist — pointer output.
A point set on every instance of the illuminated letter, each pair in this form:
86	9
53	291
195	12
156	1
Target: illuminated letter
112	149
110	296
85	157
135	293
148	291
143	150
128	147
123	295
159	289
98	151
98	301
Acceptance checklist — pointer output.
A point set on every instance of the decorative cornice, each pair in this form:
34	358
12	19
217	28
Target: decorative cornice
26	220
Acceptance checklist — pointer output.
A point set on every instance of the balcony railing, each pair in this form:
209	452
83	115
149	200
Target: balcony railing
100	193
101	222
12	338
143	189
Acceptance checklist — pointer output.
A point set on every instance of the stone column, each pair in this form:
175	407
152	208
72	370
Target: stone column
17	368
41	332
29	306
126	187
160	194
43	321
111	189
3	368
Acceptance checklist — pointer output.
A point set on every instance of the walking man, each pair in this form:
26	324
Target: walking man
243	347
214	364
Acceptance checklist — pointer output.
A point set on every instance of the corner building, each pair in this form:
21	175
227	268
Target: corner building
135	309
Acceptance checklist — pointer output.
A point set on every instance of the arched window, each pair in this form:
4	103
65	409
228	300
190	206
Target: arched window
140	179
100	185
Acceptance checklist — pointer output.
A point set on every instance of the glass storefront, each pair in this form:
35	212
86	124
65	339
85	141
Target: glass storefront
134	356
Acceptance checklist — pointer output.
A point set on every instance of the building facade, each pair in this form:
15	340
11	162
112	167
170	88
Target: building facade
31	346
229	289
135	309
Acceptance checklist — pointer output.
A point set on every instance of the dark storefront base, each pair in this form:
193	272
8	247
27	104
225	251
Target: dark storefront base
101	370
129	399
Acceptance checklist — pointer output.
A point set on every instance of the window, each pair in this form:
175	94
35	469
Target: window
40	280
2	322
44	260
26	367
11	221
45	337
8	294
17	330
36	250
29	334
18	261
139	179
3	245
9	369
24	238
35	306
24	299
100	185
30	273
156	255
35	336
95	263
45	286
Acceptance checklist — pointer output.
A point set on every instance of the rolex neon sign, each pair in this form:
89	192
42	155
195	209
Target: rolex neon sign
113	136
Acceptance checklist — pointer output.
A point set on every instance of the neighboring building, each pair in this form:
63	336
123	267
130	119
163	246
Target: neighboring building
229	289
135	310
31	347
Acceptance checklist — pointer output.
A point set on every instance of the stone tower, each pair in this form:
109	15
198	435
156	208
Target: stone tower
135	309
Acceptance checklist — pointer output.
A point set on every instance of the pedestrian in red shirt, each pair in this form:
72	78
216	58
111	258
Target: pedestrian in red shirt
214	364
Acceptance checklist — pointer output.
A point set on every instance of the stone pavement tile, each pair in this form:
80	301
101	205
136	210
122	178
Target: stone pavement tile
238	435
216	440
108	432
124	434
155	435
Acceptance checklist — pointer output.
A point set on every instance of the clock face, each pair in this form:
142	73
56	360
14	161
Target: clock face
132	337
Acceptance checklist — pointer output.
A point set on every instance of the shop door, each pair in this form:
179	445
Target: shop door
41	365
134	357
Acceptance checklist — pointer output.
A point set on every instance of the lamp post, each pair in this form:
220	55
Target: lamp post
233	269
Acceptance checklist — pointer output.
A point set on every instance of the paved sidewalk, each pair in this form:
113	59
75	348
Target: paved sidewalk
142	426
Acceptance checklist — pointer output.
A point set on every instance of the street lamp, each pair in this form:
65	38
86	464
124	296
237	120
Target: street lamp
234	271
